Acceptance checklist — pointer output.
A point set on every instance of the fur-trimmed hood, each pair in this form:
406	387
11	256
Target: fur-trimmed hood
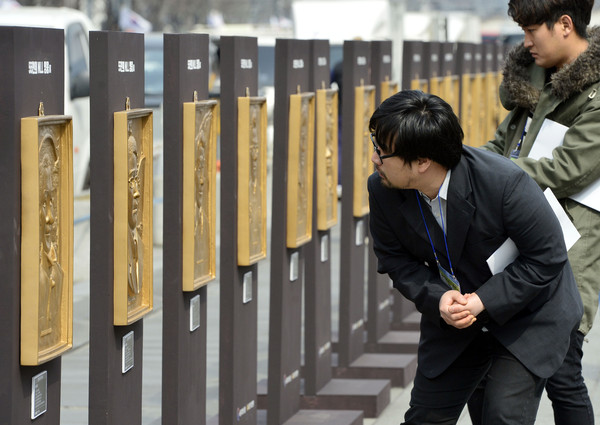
571	79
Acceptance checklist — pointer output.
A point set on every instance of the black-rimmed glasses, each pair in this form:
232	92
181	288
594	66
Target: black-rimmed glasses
378	151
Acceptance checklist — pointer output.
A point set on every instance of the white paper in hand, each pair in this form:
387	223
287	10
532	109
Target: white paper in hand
551	136
508	251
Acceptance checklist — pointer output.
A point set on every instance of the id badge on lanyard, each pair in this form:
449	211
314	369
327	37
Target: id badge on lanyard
448	278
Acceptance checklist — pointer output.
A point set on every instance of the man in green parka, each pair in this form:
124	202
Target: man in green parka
550	86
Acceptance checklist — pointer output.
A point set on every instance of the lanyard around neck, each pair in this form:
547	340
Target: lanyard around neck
443	231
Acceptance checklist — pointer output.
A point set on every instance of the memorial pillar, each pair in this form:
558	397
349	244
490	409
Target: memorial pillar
121	226
32	75
317	311
293	155
491	92
432	66
243	234
449	90
413	67
465	70
189	225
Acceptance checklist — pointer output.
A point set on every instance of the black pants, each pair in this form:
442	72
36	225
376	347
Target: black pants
512	393
566	389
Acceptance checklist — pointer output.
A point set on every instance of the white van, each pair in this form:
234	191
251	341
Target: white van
77	65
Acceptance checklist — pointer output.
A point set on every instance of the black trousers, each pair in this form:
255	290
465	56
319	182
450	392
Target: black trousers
566	389
512	394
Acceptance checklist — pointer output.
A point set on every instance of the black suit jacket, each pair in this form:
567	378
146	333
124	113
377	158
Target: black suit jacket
533	305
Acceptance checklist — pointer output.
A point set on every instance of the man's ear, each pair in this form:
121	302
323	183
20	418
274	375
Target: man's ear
566	25
423	164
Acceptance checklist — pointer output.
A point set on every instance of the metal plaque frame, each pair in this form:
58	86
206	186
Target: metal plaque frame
420	84
364	106
252	180
301	145
199	194
327	158
46	238
132	298
389	88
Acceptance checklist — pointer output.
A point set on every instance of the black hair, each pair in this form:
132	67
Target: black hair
413	125
537	12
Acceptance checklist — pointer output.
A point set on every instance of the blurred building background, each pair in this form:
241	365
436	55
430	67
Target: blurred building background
183	15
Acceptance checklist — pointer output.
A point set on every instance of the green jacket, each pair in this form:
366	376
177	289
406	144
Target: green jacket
570	97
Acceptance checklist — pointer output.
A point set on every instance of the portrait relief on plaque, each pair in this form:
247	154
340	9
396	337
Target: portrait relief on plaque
364	106
133	215
301	142
199	193
252	180
327	157
46	243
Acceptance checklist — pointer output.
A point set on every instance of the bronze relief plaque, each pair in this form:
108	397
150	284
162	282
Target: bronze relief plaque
364	106
327	158
199	193
132	215
301	144
47	238
252	180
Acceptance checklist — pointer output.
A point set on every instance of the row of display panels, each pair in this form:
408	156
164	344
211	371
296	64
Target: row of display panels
47	202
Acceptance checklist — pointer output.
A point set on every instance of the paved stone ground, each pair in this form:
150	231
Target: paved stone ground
75	362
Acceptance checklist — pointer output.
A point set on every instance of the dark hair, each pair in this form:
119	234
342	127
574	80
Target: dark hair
413	125
537	12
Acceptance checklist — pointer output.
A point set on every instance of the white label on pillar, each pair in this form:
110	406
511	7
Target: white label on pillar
361	60
360	233
247	288
241	411
357	325
435	58
324	348
125	66
416	58
39	394
246	63
298	63
194	64
194	313
384	304
386	59
127	352
448	57
294	258
324	248
468	56
39	67
288	379
322	61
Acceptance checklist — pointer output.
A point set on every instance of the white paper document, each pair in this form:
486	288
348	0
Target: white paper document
551	136
508	251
